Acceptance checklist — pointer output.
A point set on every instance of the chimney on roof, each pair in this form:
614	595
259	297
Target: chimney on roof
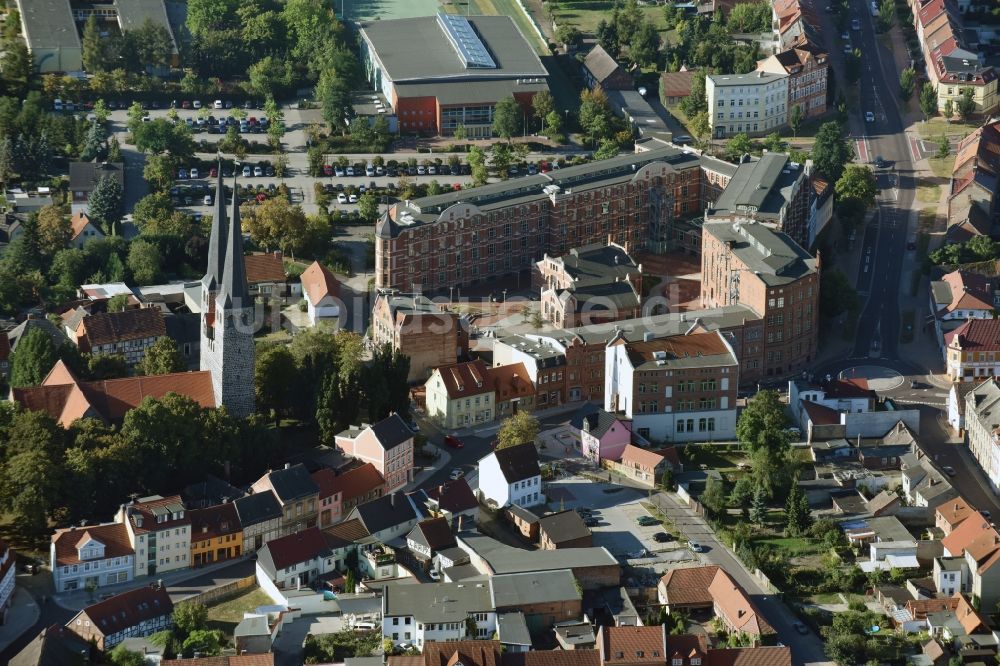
288	465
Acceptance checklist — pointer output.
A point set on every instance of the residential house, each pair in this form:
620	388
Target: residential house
391	516
563	529
890	544
964	630
429	536
956	403
545	360
511	476
512	390
951	575
16	334
294	560
339	493
66	399
8	570
418	328
646	467
83	230
632	646
601	70
96	556
297	494
973	196
611	606
460	395
419	614
128	332
972	350
253	635
923	484
820	210
159	531
806	67
216	534
959	296
886	503
686	589
675	86
512	632
544	598
951	514
588	285
492	653
266	277
54	646
762	98
85	176
978	542
982	420
139	612
524	521
641	383
603	436
321	290
388	445
452	499
575	635
260	517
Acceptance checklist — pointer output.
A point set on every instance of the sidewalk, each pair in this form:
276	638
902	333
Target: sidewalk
440	462
22	616
80	599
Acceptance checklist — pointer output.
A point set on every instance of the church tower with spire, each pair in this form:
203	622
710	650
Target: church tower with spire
227	312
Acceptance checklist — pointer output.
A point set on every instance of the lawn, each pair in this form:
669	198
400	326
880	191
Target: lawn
505	8
825	598
928	192
941	166
228	614
792	546
935	127
926	219
712	457
586	14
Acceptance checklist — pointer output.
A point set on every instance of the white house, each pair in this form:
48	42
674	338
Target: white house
512	476
890	544
83	230
439	612
753	103
322	292
956	404
957	297
294	561
159	531
97	555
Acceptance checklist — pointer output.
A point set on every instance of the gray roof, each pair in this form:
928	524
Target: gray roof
49	24
55	333
436	602
504	559
292	483
133	13
252	626
385	512
537	587
512	629
600	64
889	529
639	111
563	526
392	431
593	419
952	563
257	508
523	513
674	323
941	291
597	264
84	176
394	41
614	600
364	661
470	92
772	255
462	572
759	187
751	79
575	633
540	348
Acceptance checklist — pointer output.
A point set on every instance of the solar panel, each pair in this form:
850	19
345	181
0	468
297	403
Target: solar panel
464	39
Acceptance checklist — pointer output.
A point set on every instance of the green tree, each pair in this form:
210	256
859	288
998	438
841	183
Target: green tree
761	428
368	206
206	642
758	506
205	16
830	151
104	206
107	366
542	104
160	135
857	182
928	100
949	110
32	359
118	303
696	102
144	262
836	294
568	34
189	617
16	63
607	150
93	48
944	148
795	117
773	142
501	157
966	103
122	656
54	230
738	146
276	224
159	171
521	428
596	117
907	83
161	358
644	48
274	377
714	497
798	515
151	209
507	118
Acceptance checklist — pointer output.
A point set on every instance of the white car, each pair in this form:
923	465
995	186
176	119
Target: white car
421	171
432	171
369	171
353	198
257	171
217	104
855	25
194	173
695	546
196	104
247	172
341	198
338	172
379	171
869	117
208	200
350	171
434	574
456	474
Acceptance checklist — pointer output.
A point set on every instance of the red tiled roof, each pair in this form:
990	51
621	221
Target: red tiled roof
734	604
511	381
350	484
686	646
969	531
764	655
318	283
114	536
267	267
633	644
298	547
79	222
975	335
465	379
104	328
126	609
969	291
676	84
689	586
919	609
821	414
349	531
240	660
642	457
954	511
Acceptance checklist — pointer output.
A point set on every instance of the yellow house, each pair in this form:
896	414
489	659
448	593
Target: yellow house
216	534
983	92
460	395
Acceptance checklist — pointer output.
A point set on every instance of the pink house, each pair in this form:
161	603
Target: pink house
339	493
388	445
602	435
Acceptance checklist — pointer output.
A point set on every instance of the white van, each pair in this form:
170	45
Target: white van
364	626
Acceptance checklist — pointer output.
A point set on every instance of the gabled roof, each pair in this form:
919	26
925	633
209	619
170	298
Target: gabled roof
347	532
266	659
350	484
600	64
642	457
292	483
214	521
882	501
689	350
54	646
84	176
511	381
689	586
563	526
144	513
465	379
114	536
392	431
127	609
266	267
735	604
318	283
594	420
385	512
79	223
453	496
552	658
676	84
975	335
434	533
105	328
518	463
820	414
761	655
257	508
973	534
967	291
954	511
302	546
632	645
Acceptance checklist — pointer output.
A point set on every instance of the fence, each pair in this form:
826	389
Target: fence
223	592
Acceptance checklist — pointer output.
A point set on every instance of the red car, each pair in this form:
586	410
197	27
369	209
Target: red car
453	442
185	104
327	170
456	187
213	172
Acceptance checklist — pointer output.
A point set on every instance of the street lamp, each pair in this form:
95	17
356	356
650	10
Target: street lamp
505	297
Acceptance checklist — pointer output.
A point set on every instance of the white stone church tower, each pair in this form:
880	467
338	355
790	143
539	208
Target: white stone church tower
227	312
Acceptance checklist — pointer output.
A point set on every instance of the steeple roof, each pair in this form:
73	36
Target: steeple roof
233	289
216	245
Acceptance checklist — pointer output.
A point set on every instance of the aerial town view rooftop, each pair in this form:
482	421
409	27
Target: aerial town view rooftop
499	332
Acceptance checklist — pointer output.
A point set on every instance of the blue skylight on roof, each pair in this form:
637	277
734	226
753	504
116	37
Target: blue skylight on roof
464	39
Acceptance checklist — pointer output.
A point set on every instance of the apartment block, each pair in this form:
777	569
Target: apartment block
755	104
807	67
159	531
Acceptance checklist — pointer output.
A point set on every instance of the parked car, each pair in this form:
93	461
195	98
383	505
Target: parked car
647	521
456	474
327	170
662	537
695	546
257	171
949	470
801	628
421	170
350	171
194	172
369	171
341	198
247	172
454	442
432	170
591	521
207	200
434	575
869	117
196	104
182	174
339	172
217	104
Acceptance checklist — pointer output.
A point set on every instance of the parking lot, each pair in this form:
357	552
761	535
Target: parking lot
617	510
